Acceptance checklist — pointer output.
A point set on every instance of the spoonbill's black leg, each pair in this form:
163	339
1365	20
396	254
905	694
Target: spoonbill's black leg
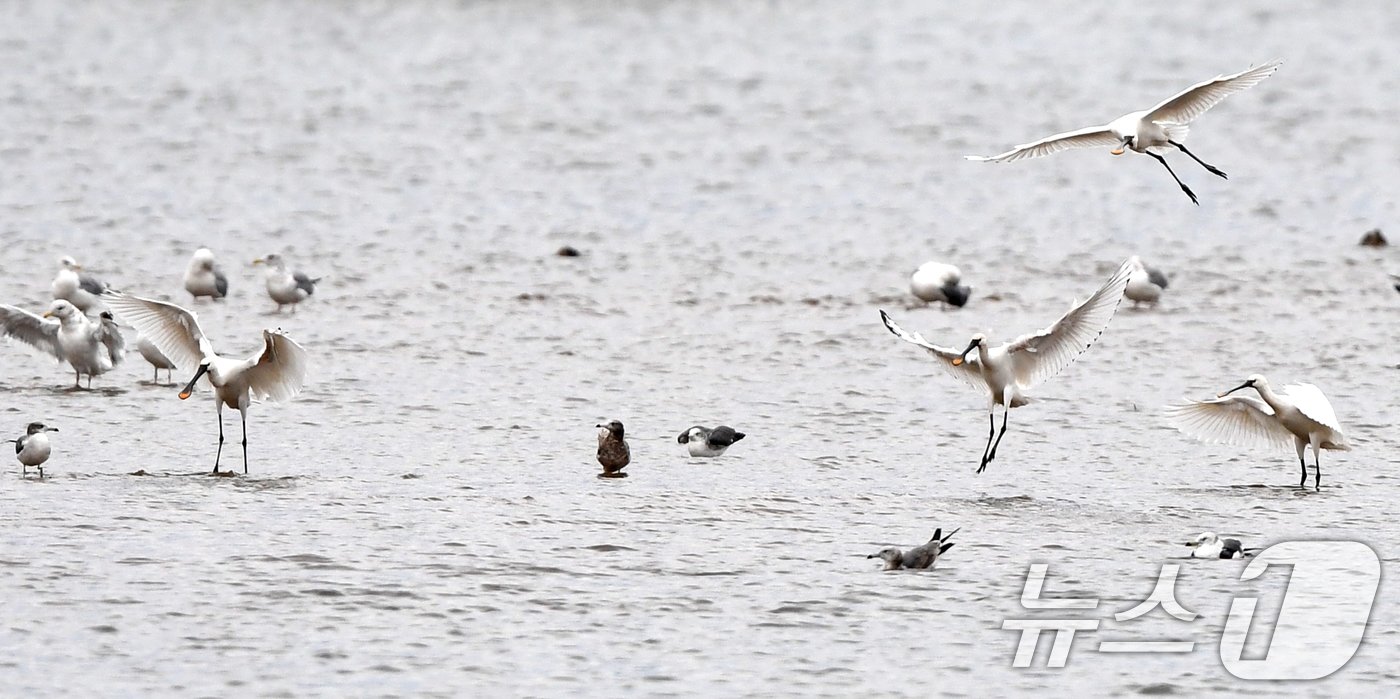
220	452
991	430
1317	484
1302	463
244	416
1179	183
999	434
1213	169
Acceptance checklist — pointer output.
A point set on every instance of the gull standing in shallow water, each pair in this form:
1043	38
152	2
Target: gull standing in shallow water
938	282
33	448
286	288
1146	284
275	372
703	441
203	277
1007	371
613	452
1298	412
919	558
1159	127
153	355
91	348
1208	545
75	287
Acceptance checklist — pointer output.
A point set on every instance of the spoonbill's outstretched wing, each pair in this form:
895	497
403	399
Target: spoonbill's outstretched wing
1189	104
1090	137
969	371
173	330
1309	400
35	331
1239	420
279	371
1041	355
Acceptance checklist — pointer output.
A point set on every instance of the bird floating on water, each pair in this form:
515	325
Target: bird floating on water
1159	127
1145	284
703	441
76	287
203	276
938	282
1208	545
1007	371
283	287
276	372
91	348
922	557
613	452
1297	412
33	448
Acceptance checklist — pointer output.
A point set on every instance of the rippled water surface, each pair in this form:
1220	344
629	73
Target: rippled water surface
748	183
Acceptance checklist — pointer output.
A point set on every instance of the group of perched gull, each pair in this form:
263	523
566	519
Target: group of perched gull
170	338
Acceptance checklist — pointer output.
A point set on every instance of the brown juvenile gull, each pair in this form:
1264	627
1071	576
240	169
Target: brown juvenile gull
703	441
613	453
918	558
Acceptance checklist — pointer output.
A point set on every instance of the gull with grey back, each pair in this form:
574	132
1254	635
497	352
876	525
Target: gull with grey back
277	371
1006	372
33	448
918	558
91	348
283	287
703	441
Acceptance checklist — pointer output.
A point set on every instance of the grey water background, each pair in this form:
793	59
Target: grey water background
749	183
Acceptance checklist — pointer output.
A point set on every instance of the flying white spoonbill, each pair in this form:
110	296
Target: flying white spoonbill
276	372
1159	127
1006	372
1298	412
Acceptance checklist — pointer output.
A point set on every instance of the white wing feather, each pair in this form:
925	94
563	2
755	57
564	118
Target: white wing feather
1239	420
279	371
1082	138
173	330
35	331
1189	104
1309	400
969	372
1039	356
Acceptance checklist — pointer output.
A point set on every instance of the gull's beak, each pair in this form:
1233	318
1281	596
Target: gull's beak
873	555
78	267
48	314
50	429
963	357
1192	544
189	388
1243	385
259	261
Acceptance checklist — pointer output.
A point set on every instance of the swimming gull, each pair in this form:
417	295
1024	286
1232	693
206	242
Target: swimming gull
76	287
156	358
918	558
1297	412
1007	371
613	453
702	441
276	372
33	448
938	282
1208	545
286	288
203	277
1150	130
91	348
1146	284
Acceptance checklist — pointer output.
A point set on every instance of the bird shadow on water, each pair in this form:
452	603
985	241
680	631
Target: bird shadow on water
234	479
1258	489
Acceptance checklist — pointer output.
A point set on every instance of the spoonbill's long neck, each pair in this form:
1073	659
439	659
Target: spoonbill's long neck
1267	393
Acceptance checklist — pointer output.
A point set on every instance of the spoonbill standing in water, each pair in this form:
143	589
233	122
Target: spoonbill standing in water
1007	371
1297	411
1162	126
276	372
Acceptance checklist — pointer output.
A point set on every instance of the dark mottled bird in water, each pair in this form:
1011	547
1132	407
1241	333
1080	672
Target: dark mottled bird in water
1209	545
613	453
703	441
33	448
917	558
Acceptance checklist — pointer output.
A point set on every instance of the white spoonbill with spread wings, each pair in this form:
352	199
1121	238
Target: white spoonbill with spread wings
1159	127
1007	371
1297	412
276	372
